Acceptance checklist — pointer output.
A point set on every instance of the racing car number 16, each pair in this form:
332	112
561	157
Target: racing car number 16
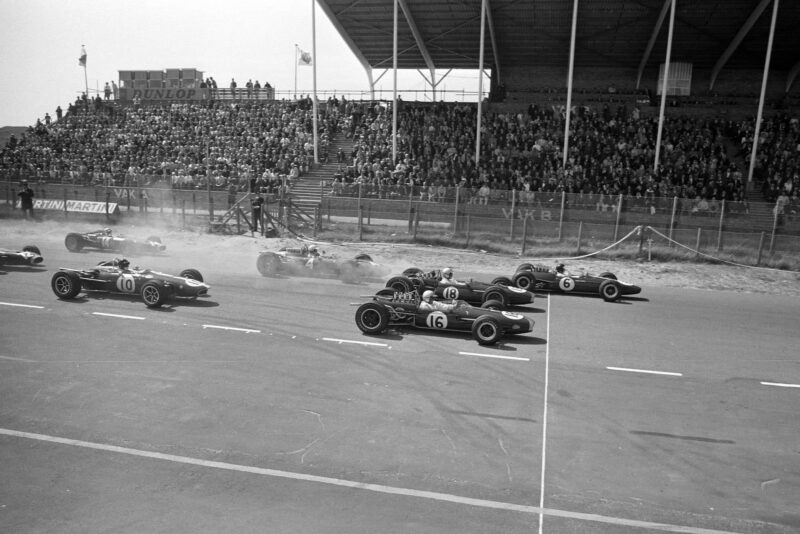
125	283
450	293
436	319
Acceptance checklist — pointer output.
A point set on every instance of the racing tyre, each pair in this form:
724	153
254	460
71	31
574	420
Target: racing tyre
610	276
74	242
524	279
525	267
372	318
412	271
194	274
502	281
486	330
363	257
154	294
402	284
66	284
609	290
493	293
32	248
492	305
268	264
385	292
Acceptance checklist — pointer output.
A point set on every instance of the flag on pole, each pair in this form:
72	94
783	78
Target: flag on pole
304	58
82	59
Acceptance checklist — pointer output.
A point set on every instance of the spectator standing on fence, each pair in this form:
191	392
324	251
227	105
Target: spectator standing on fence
233	88
107	91
257	89
256	204
26	199
249	87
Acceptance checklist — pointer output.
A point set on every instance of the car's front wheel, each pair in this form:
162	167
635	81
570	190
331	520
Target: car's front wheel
268	264
495	294
193	274
486	330
493	305
524	279
154	294
66	284
73	242
609	290
372	318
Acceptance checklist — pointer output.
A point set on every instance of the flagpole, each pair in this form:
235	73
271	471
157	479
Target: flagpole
314	66
295	71
85	75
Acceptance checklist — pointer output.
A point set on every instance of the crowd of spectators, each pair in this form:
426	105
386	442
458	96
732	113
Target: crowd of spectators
263	146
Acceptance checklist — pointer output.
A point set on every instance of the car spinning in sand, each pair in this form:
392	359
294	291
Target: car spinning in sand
539	277
116	276
29	255
105	240
310	261
471	291
487	324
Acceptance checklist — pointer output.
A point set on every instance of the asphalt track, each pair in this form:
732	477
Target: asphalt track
263	409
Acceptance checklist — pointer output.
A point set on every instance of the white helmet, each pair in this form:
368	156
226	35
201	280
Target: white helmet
447	272
313	249
427	296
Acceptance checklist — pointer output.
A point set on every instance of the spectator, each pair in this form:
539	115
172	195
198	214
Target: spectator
107	91
26	199
233	88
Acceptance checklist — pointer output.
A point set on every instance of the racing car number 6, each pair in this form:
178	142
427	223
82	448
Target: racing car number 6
566	284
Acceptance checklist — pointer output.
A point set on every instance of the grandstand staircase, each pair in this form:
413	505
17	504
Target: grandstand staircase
307	191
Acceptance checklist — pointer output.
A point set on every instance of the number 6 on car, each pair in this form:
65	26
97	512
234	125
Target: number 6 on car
566	284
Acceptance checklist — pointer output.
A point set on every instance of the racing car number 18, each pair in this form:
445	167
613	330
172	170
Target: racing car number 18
450	292
436	319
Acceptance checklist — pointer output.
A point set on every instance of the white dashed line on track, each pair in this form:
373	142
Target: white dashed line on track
136	317
233	328
496	356
645	371
11	358
367	343
780	385
21	305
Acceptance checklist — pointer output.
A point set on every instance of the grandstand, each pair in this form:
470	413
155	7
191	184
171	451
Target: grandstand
232	142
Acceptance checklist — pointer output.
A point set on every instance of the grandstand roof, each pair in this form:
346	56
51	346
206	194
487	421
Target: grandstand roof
444	34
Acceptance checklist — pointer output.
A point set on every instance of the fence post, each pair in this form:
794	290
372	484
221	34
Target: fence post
561	216
108	198
672	219
183	209
194	202
774	229
455	214
760	248
524	233
128	195
161	200
619	214
697	243
580	233
416	224
721	220
513	206
360	224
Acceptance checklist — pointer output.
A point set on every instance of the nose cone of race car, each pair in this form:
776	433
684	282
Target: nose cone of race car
37	260
630	289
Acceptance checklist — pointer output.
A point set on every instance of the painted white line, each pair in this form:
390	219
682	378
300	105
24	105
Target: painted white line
22	305
119	316
11	358
497	356
780	385
377	488
646	371
245	330
544	417
368	343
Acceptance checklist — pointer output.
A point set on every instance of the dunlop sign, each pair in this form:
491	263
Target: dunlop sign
77	206
164	94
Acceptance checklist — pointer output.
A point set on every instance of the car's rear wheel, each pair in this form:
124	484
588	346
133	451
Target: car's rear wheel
412	271
363	257
502	281
32	248
486	330
525	267
493	305
495	294
194	274
154	294
402	284
524	279
610	276
73	242
609	290
66	284
372	318
268	264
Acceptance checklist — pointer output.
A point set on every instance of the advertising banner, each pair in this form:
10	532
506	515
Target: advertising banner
76	206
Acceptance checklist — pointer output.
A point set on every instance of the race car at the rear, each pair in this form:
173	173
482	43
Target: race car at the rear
29	255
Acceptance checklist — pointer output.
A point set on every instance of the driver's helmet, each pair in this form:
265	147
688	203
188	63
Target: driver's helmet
447	272
107	231
560	268
123	264
427	296
313	250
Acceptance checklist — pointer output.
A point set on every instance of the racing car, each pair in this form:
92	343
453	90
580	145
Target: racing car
104	239
29	255
116	276
486	324
539	277
473	292
309	261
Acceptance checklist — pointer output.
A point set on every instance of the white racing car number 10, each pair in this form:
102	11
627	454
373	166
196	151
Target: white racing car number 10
126	283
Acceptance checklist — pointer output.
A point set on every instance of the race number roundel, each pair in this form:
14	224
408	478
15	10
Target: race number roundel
450	292
126	283
566	284
436	319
